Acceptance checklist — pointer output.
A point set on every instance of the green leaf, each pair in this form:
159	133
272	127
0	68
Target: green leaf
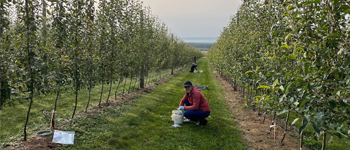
310	87
330	139
307	118
302	127
249	72
281	98
295	120
290	7
284	45
341	135
347	11
319	116
282	88
312	1
257	68
334	35
274	83
282	112
287	74
338	135
316	127
287	37
292	57
304	102
263	87
287	88
332	104
338	93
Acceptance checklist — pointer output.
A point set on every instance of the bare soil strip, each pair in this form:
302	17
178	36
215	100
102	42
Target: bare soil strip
257	135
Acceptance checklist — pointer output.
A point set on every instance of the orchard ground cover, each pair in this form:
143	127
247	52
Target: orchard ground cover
144	122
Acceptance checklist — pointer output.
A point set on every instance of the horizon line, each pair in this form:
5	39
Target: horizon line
201	37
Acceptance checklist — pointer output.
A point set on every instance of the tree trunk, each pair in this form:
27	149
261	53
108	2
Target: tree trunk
99	103
285	128
54	109
115	93
87	105
134	84
248	94
301	136
109	93
130	85
149	78
251	93
324	140
31	73
25	125
243	90
76	101
142	78
124	85
264	119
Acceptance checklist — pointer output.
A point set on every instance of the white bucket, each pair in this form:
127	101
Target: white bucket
200	71
195	71
177	116
178	119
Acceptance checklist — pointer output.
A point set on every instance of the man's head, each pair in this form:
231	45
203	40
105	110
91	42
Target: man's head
188	86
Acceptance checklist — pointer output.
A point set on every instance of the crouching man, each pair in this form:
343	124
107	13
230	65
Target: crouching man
197	107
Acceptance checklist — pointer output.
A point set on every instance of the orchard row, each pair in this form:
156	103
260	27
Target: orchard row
293	55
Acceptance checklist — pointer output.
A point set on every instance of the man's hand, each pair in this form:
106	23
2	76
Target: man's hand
181	107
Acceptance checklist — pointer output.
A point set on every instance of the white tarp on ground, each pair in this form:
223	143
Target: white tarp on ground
63	137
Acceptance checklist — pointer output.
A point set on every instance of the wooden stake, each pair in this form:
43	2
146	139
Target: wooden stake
274	133
53	112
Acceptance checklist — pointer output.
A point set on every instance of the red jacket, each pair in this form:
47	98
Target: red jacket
197	99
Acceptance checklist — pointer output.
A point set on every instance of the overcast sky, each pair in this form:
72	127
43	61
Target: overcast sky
194	18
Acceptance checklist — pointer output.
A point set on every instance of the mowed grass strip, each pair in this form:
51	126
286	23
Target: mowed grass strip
12	119
145	123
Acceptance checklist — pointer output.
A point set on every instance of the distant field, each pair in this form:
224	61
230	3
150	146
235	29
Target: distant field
201	46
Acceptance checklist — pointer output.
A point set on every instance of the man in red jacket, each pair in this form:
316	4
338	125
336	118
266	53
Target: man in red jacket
197	107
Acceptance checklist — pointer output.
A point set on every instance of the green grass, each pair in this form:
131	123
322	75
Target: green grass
145	123
12	119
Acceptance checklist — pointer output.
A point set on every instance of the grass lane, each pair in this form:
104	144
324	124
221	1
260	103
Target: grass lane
139	124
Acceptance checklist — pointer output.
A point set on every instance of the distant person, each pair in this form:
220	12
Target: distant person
194	66
195	59
197	107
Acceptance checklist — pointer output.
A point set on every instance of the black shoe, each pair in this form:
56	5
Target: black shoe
202	122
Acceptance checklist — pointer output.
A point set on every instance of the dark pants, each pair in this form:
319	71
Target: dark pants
193	67
195	115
